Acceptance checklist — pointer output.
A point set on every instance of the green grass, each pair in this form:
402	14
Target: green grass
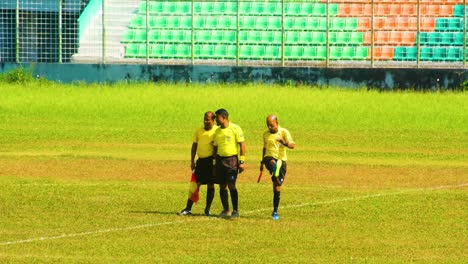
98	172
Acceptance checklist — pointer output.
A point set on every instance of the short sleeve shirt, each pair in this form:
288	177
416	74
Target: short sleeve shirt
227	140
272	147
204	140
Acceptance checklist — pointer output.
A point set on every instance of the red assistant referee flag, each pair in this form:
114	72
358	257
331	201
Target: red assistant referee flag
193	189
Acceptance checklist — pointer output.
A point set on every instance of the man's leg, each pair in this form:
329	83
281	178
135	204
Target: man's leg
223	195
234	196
210	192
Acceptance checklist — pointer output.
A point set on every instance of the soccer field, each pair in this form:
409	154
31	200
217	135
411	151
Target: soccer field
97	173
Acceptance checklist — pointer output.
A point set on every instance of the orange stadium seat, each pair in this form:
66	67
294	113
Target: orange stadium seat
382	53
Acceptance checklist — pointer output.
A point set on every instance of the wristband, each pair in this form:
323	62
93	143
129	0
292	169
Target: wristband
241	159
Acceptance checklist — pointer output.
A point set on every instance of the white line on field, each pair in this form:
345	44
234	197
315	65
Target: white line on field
110	230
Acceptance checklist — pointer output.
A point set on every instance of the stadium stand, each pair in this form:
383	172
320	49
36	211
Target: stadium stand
397	30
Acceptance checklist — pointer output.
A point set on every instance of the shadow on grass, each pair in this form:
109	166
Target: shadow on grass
192	215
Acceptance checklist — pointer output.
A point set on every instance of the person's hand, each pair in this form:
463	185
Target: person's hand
241	167
192	165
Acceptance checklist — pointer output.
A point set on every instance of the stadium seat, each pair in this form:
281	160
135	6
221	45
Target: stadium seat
156	51
405	53
272	52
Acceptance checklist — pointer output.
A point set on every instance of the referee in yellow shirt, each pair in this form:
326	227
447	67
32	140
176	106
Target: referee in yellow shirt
275	142
202	147
229	151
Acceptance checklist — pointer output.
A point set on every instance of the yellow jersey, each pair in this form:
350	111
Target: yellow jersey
227	140
204	140
272	147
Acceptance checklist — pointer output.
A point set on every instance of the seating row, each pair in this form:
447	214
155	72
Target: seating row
403	38
441	38
245	8
384	8
245	22
183	51
429	54
251	37
396	9
449	24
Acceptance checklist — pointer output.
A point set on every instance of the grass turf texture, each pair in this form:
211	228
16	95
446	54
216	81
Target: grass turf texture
96	173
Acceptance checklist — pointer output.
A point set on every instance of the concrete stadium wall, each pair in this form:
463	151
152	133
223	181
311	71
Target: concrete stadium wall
419	79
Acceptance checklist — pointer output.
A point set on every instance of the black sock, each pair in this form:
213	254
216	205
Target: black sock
209	198
223	194
188	207
234	198
276	200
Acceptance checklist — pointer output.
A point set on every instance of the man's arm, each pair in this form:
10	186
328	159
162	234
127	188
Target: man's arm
261	161
242	156
193	154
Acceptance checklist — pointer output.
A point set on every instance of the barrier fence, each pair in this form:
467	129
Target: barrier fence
287	33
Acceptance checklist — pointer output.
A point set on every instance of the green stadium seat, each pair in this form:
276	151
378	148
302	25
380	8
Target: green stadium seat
185	22
339	37
272	52
184	51
247	22
294	52
257	8
291	37
258	52
142	48
156	51
220	51
211	22
217	36
154	36
202	36
361	53
318	37
274	8
336	53
245	7
292	8
423	38
205	8
356	38
245	52
170	51
183	8
131	51
458	11
405	54
182	36
128	37
455	54
229	36
274	23
166	36
262	23
199	22
226	22
315	53
160	22
231	52
204	51
137	22
449	24
271	37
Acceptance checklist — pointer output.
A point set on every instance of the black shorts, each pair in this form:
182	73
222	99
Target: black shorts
271	168
226	169
204	171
